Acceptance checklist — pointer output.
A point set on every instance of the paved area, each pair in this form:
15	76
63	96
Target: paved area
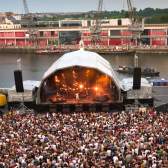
160	95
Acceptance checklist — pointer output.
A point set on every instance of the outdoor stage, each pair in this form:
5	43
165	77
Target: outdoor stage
84	81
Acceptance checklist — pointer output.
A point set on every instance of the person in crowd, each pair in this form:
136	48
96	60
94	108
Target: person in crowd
84	140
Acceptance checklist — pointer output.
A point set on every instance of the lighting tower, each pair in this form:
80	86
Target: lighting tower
137	24
96	28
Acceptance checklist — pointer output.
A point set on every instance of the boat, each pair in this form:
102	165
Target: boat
110	50
49	51
160	82
146	72
58	50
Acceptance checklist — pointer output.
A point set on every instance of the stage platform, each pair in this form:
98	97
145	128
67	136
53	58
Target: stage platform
75	107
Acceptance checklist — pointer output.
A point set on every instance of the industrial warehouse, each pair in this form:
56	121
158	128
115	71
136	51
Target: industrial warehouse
114	32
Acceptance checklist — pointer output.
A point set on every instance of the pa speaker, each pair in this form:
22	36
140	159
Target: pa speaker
18	81
137	78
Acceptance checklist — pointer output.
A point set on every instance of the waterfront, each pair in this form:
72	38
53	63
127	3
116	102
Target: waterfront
34	66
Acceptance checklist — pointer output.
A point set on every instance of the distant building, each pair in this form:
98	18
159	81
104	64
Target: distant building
114	32
5	23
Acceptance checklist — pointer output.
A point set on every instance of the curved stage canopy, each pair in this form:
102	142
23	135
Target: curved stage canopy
79	76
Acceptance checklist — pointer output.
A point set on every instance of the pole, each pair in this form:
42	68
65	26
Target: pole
135	61
19	63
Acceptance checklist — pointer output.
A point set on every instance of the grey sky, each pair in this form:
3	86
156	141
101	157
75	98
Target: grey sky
75	5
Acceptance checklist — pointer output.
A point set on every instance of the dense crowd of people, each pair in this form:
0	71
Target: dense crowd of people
84	140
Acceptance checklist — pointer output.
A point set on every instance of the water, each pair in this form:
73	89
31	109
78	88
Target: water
34	66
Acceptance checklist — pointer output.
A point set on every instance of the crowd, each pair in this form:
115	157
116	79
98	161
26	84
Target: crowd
84	140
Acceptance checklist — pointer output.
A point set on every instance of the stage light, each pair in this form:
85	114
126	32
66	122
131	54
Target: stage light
56	79
81	86
87	72
96	88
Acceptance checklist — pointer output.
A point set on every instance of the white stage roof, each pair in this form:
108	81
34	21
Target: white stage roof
84	59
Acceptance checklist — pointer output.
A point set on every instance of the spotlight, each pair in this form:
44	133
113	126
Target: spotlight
96	88
56	79
81	86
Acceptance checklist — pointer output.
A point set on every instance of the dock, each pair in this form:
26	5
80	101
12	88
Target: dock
99	50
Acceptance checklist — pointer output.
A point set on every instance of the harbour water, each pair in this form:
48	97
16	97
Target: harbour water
34	66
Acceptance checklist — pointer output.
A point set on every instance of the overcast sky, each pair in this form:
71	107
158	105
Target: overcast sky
75	5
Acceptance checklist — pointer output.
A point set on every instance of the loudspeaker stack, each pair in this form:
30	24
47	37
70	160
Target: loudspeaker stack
18	81
137	78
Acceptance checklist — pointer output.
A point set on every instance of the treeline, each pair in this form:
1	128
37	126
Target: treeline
154	15
151	15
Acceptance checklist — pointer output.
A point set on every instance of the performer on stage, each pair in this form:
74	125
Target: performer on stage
77	97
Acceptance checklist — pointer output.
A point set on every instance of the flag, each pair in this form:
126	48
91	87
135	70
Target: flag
18	60
19	63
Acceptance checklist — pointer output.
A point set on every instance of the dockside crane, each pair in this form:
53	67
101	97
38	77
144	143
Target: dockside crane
28	17
96	27
30	22
26	7
137	24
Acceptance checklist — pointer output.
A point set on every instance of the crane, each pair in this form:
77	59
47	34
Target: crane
96	28
26	7
137	25
29	19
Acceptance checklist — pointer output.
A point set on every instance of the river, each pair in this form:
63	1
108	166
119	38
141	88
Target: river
34	66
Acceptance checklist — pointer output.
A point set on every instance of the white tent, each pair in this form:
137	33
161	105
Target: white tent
84	59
